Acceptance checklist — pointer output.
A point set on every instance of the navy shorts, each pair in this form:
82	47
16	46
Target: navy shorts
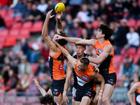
110	78
57	87
86	92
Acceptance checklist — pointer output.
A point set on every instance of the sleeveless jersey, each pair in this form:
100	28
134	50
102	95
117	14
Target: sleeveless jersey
137	96
56	64
108	62
84	79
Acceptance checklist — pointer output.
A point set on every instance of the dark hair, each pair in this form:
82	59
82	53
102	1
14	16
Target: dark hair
85	61
81	45
106	30
48	99
62	42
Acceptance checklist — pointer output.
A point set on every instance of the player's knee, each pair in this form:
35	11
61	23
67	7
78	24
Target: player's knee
105	99
57	100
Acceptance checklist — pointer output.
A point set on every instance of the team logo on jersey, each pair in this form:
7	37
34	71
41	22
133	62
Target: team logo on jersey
138	99
99	51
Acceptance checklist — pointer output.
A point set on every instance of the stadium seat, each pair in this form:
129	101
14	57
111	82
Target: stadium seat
34	67
3	12
21	99
18	18
131	52
27	25
9	21
1	98
10	41
3	33
14	33
37	27
117	59
138	23
17	26
131	23
95	24
24	34
18	103
32	99
6	104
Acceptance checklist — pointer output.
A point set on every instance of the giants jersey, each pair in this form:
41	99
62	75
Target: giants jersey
137	96
108	62
56	64
85	79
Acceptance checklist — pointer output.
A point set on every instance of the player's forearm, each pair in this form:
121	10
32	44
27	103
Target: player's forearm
45	28
130	97
72	39
42	91
95	60
102	83
66	86
59	25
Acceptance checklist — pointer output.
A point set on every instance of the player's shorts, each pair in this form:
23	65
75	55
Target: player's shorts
86	92
73	92
110	78
57	87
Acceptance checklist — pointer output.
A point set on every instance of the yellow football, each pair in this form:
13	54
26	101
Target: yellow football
59	7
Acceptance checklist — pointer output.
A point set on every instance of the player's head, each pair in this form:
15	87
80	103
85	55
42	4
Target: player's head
47	100
62	42
84	62
104	32
80	49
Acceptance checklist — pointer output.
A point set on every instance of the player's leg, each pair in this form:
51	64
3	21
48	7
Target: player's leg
73	95
76	103
110	81
58	99
85	100
108	90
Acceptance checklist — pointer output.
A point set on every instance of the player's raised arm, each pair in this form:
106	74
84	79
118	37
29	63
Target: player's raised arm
76	40
42	91
102	56
67	83
45	32
131	93
59	27
67	54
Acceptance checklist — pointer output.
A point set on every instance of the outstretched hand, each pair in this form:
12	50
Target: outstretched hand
58	16
57	37
48	15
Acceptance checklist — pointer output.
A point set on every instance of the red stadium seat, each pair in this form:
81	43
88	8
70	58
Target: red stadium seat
131	23
21	100
3	33
32	100
131	52
3	12
138	23
95	24
117	61
24	34
37	27
136	59
18	103
27	25
10	41
34	67
9	21
14	33
17	26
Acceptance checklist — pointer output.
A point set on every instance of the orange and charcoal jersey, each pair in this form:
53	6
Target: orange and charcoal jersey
137	96
56	64
107	64
84	79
